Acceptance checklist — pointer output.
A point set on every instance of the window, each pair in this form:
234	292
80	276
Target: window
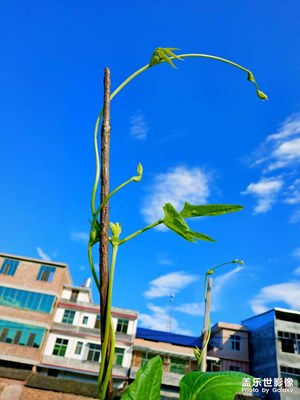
177	366
235	368
85	320
78	349
287	345
290	342
26	300
17	337
74	296
21	334
60	347
119	354
3	335
97	323
30	340
290	372
235	342
68	317
46	274
122	325
94	352
9	267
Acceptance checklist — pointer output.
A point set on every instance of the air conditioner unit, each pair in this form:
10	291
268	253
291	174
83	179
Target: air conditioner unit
166	360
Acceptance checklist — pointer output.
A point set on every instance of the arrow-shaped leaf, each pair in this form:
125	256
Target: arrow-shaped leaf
174	221
190	211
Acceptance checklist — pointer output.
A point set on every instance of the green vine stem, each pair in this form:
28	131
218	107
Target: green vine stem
109	330
160	55
250	77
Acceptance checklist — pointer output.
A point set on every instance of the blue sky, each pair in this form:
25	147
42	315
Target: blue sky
200	132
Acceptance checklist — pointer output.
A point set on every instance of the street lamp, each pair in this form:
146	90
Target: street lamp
207	298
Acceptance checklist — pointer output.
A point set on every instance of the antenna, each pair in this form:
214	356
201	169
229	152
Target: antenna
169	324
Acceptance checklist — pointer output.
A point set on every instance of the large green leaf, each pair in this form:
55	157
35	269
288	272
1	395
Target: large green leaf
212	385
174	221
147	382
190	210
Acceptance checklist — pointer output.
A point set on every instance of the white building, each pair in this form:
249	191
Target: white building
73	347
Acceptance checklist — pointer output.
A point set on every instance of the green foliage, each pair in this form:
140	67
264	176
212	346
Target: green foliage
175	220
207	210
63	385
211	385
15	373
163	54
147	382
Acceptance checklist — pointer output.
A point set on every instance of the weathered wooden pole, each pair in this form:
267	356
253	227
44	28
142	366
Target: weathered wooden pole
104	220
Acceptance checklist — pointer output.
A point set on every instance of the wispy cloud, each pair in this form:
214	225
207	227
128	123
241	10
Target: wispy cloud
159	319
42	254
195	309
82	237
297	271
162	259
218	285
266	191
279	153
176	186
138	126
169	283
296	253
270	296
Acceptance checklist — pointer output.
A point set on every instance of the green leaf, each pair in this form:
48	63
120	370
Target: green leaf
162	54
190	210
147	382
174	221
212	385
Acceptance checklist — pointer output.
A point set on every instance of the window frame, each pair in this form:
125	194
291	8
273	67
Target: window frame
9	267
60	347
235	342
68	317
122	325
46	273
94	352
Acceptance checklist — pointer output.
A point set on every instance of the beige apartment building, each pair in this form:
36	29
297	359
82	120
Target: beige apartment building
29	294
230	344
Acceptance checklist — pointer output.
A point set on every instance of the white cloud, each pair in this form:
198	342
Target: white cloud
170	283
295	217
218	284
164	260
279	151
270	296
176	186
195	309
43	255
138	126
297	271
82	237
159	319
292	193
266	192
296	253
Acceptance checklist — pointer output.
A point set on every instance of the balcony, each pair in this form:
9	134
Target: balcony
89	332
81	366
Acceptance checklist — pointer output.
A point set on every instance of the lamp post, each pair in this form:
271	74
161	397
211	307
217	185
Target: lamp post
207	299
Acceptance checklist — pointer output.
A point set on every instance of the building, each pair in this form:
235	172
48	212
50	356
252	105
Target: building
275	351
177	356
29	293
229	343
73	346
